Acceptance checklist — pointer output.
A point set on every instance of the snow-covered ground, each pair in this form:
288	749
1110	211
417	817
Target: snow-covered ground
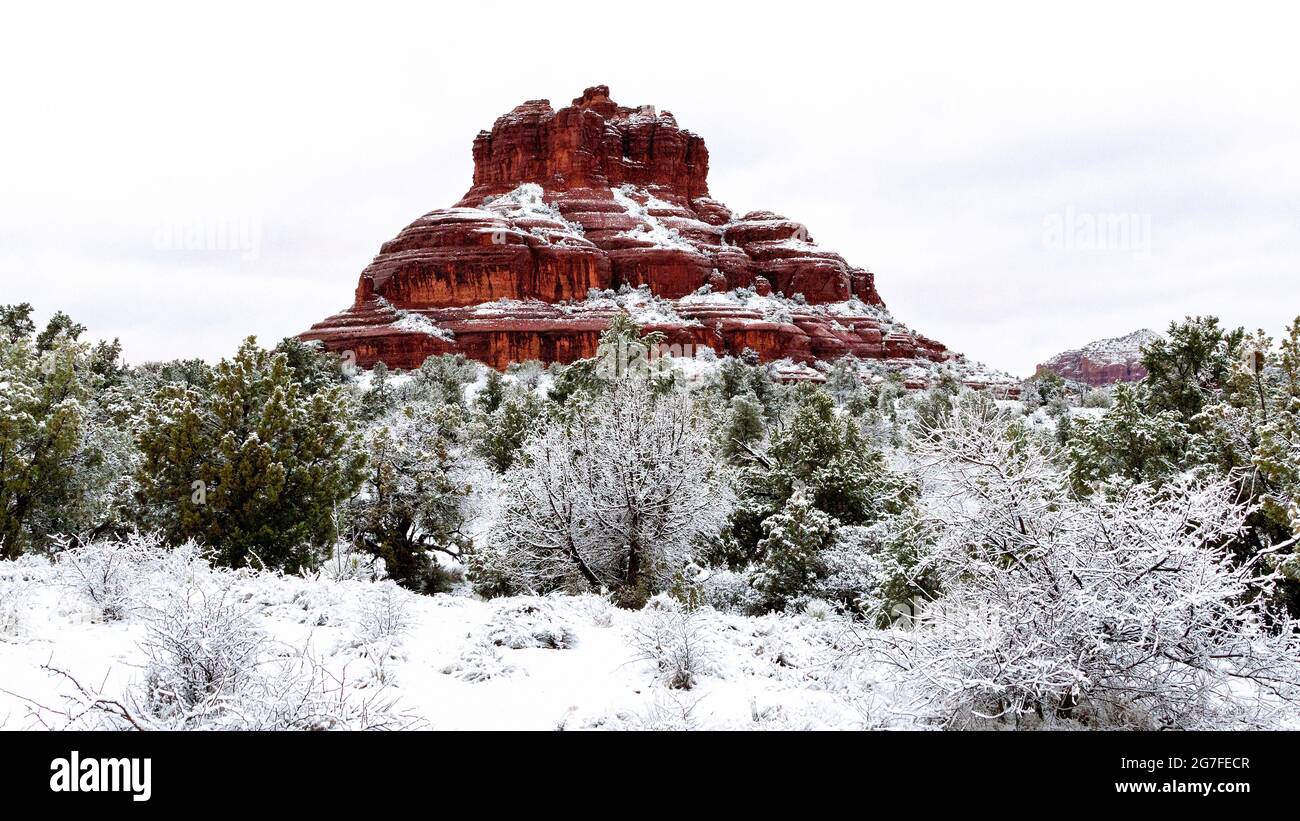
452	661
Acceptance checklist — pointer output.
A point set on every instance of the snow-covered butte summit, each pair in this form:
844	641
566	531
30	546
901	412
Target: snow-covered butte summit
1105	361
577	214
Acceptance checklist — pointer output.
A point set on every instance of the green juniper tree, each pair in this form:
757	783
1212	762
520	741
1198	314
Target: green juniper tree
64	447
1129	441
822	452
254	466
411	497
743	427
795	542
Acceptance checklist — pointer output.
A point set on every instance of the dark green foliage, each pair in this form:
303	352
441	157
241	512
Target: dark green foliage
623	350
410	500
489	399
1128	441
42	422
795	541
253	467
1188	369
441	380
935	406
1042	388
311	366
503	432
65	410
743	427
59	325
16	321
381	398
823	453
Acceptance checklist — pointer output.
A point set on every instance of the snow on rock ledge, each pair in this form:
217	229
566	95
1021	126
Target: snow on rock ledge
601	198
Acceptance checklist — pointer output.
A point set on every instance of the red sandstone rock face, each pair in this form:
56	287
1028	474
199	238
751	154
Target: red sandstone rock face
1104	362
577	214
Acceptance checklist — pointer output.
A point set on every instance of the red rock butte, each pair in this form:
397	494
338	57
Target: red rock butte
594	209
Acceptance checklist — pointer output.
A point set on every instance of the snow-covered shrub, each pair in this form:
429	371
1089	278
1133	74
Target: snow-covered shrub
529	621
730	592
668	711
880	571
202	649
348	563
819	610
792	548
1099	398
616	498
315	604
1125	609
108	574
480	661
384	614
298	693
677	639
18	579
209	667
598	608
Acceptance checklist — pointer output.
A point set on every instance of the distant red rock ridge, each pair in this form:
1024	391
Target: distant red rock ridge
1105	361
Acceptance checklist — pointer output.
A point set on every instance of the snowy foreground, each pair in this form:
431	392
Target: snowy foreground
374	654
133	636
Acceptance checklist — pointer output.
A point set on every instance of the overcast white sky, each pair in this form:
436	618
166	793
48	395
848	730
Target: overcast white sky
945	147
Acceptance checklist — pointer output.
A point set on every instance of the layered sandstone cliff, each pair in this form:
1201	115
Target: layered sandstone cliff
578	214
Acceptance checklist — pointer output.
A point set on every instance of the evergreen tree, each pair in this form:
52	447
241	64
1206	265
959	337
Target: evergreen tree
503	432
411	497
743	428
1128	441
1189	367
380	398
844	381
1278	453
64	446
16	321
824	453
311	367
59	326
253	467
489	399
791	553
42	422
442	380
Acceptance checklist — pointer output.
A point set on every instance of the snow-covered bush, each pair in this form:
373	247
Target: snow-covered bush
667	711
108	574
209	667
730	592
348	563
18	581
819	610
616	498
529	621
202	650
675	638
879	571
598	608
480	661
792	549
384	614
1122	610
